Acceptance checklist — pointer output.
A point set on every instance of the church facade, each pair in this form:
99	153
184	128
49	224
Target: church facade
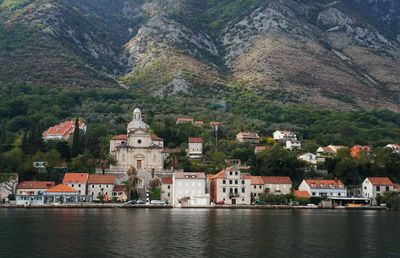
138	147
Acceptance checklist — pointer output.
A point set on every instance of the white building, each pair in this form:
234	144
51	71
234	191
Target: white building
293	144
189	189
256	188
195	147
374	186
277	184
77	181
250	137
31	192
61	194
138	148
8	187
323	188
284	135
100	184
230	186
394	147
166	189
309	158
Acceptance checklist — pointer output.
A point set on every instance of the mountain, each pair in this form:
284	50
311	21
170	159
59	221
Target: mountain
336	54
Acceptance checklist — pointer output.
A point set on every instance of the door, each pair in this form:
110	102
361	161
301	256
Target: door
233	201
139	164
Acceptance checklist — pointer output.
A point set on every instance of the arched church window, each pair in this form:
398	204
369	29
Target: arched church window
139	141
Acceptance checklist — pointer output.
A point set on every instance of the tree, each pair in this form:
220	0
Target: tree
391	199
9	181
75	148
132	183
154	184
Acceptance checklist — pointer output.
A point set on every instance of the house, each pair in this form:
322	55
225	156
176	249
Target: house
199	123
256	188
8	186
195	147
323	188
184	120
138	147
100	185
189	189
394	147
77	181
327	151
301	194
119	193
166	189
358	151
61	194
259	149
309	158
283	136
63	130
292	144
277	184
230	186
373	187
31	192
248	137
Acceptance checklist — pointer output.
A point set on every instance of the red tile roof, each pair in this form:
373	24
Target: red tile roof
276	180
80	178
61	188
301	194
195	140
256	180
120	137
334	184
64	129
35	185
166	180
101	179
119	188
380	181
222	174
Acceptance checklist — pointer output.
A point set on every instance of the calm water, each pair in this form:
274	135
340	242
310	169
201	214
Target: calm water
198	233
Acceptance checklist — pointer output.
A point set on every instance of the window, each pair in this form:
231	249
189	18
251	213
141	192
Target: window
223	182
224	190
243	190
72	185
255	187
92	186
168	194
236	173
338	194
387	188
313	193
139	141
365	188
169	187
79	185
260	186
236	182
230	173
378	188
230	181
242	182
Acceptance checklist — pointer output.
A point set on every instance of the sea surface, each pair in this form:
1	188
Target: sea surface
198	233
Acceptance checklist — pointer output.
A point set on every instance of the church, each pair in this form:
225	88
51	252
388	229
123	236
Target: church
138	147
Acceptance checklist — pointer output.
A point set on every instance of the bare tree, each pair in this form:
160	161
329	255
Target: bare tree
9	182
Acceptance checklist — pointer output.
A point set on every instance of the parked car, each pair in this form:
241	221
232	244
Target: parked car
220	203
157	202
140	202
131	202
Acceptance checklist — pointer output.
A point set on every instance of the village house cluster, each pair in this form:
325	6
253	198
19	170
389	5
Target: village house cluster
144	151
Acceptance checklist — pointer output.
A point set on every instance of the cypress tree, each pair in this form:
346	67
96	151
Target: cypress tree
75	148
25	144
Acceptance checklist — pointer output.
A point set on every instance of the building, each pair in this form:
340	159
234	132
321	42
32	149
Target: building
189	189
302	194
166	189
373	187
77	181
195	148
31	192
259	149
328	151
394	147
283	136
310	158
63	130
230	186
323	188
277	184
61	194
292	144
248	137
8	186
199	123
100	184
256	188
138	148
119	193
184	120
358	151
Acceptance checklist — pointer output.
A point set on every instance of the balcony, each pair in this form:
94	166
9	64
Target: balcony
232	195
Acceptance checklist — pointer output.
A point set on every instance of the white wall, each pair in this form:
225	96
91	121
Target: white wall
95	189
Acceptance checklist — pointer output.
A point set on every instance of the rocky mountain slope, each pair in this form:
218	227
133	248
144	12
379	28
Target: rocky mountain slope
340	54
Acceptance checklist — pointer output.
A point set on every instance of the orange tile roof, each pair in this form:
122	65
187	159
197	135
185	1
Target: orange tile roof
120	137
336	184
35	185
61	188
166	180
380	181
195	140
256	180
276	180
80	178
301	194
101	179
64	129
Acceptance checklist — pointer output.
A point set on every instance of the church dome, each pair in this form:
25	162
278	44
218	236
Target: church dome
137	122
